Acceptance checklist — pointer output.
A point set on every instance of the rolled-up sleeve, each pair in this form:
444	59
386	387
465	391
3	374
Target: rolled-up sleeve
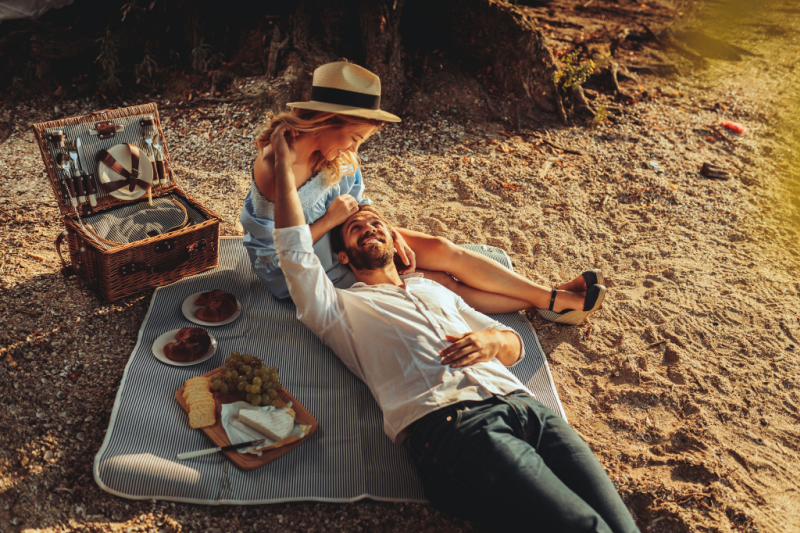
479	322
318	305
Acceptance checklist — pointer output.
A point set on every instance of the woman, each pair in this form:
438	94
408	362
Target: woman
327	132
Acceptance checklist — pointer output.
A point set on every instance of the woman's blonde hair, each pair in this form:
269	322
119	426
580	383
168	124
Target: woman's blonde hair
309	121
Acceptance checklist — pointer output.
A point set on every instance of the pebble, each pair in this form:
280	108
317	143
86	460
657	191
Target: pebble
48	455
80	436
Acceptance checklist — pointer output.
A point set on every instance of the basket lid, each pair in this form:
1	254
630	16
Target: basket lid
99	133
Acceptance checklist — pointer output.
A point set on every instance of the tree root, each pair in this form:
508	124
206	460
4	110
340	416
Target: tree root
580	102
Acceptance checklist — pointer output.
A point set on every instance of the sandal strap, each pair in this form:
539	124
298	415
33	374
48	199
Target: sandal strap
552	298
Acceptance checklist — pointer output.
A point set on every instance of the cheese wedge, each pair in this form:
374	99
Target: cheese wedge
277	424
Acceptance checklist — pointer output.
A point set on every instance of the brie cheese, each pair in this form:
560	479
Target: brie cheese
277	424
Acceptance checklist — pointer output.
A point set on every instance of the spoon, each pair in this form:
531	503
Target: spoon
64	162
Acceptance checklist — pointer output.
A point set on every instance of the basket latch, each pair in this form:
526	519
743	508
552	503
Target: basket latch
177	261
132	268
165	246
105	130
196	247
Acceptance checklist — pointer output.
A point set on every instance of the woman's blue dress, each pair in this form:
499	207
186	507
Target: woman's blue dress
258	220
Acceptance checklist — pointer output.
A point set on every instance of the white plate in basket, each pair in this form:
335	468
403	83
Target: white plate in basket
122	154
188	309
168	337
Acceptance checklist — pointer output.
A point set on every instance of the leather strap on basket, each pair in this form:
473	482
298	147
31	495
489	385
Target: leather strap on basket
66	270
131	178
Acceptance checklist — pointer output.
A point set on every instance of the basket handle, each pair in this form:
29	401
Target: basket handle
66	270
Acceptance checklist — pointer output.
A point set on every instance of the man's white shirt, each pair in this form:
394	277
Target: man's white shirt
391	337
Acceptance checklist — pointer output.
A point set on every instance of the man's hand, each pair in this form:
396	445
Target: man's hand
405	252
481	346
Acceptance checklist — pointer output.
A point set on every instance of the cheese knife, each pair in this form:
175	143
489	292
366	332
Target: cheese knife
198	453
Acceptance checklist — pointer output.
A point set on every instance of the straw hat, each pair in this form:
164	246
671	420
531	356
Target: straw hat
346	89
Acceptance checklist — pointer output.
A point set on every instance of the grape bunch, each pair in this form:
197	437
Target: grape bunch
247	374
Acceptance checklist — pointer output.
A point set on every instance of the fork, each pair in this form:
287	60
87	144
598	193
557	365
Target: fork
148	135
76	170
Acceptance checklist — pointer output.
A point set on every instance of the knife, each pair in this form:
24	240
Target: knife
89	179
189	455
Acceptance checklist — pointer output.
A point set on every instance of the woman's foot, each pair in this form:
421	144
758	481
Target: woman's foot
592	303
576	285
584	281
568	300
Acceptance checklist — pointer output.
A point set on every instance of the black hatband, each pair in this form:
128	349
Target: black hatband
330	95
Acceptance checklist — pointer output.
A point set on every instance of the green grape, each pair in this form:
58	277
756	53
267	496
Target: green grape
215	385
266	400
241	385
247	358
274	378
270	385
256	400
234	374
249	396
227	374
223	388
257	381
272	393
249	375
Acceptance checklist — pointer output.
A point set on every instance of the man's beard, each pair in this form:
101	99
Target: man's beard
372	259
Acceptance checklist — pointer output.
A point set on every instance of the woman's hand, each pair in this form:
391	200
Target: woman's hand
340	210
282	147
406	254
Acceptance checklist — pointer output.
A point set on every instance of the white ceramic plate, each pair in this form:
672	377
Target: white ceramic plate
168	337
188	308
122	155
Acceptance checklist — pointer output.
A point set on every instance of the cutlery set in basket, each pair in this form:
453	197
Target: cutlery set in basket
130	225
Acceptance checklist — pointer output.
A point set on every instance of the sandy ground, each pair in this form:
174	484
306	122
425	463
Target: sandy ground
685	385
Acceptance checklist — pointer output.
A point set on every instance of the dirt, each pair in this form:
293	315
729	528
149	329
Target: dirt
685	385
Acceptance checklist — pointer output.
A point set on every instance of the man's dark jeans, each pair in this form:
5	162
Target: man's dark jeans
511	464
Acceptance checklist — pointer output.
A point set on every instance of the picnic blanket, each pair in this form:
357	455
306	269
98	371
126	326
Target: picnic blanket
347	459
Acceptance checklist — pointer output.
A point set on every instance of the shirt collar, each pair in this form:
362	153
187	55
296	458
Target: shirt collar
405	278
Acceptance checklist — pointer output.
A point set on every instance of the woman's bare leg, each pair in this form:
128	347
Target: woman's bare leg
485	302
477	272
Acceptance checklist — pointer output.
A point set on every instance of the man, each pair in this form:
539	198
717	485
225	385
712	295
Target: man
485	449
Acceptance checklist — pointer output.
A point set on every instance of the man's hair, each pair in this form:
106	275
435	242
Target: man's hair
337	238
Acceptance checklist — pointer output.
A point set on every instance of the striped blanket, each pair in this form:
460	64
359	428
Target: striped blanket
348	458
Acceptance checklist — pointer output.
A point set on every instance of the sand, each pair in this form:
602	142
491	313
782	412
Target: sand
684	385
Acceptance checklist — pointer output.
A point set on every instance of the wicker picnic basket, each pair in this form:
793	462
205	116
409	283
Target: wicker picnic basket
136	236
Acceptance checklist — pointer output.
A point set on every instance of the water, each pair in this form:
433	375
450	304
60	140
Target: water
770	28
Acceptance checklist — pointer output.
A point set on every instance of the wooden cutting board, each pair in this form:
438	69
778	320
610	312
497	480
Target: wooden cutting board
249	461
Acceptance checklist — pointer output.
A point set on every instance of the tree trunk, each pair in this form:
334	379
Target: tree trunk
494	41
380	30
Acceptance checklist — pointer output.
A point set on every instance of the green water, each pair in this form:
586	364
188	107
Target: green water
770	28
